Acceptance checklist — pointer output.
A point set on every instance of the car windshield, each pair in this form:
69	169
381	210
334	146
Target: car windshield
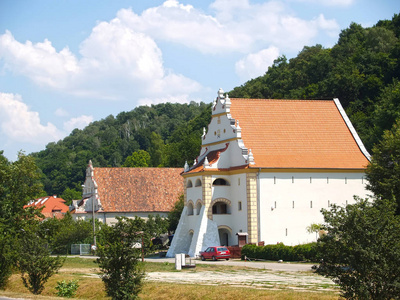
222	249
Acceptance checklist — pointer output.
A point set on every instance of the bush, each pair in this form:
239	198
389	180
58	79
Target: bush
67	289
281	252
118	260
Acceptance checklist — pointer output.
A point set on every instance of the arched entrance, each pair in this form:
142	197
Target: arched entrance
225	235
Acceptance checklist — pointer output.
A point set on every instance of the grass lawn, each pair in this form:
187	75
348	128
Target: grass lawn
86	271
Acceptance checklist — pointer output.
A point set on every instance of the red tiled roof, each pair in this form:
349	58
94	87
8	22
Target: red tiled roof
297	134
138	189
50	204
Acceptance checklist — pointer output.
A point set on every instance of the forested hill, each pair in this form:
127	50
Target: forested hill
362	70
158	135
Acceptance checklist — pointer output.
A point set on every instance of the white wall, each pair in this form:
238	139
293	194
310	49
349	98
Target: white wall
289	202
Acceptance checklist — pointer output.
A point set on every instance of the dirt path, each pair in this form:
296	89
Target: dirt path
257	275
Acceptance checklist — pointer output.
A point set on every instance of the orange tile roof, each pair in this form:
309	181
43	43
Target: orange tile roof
297	134
50	204
138	189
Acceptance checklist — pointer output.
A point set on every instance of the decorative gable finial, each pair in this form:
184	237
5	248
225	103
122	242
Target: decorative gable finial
186	167
204	132
206	163
221	94
194	162
251	157
237	124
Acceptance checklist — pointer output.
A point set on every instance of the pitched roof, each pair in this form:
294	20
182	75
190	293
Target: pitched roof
298	134
52	205
138	189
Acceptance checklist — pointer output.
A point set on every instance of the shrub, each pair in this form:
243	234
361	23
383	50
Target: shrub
280	251
67	289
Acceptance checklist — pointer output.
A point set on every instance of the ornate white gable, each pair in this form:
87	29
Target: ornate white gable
222	145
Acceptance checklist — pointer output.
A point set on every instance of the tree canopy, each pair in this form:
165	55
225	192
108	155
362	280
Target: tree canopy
361	251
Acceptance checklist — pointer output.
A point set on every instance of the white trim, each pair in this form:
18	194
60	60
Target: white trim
351	128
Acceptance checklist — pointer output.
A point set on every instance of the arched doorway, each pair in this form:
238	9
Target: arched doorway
225	235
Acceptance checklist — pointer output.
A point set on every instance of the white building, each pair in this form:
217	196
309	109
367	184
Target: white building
265	170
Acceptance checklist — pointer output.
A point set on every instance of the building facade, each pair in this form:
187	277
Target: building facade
265	170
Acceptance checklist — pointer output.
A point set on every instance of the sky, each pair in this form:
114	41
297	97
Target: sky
66	63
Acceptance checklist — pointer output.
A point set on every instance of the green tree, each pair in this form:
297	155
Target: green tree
6	255
138	159
361	251
118	260
19	183
71	194
175	214
34	260
383	173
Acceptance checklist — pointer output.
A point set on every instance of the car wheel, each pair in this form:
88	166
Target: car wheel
203	258
227	258
214	258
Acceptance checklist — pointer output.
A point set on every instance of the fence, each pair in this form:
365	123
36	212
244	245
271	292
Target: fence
80	249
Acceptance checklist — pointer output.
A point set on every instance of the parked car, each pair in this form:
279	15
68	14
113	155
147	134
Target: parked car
214	253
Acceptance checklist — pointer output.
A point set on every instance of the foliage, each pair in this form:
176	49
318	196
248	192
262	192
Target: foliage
280	252
118	259
6	256
361	251
109	142
62	233
175	214
383	173
71	194
34	260
19	183
138	159
67	289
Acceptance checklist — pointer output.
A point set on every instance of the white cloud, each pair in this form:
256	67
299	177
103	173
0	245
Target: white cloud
117	62
256	64
60	112
121	58
342	3
20	124
79	122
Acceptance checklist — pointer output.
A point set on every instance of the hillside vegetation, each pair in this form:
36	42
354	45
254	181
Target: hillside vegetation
362	70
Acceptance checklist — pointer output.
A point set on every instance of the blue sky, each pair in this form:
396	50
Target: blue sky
66	63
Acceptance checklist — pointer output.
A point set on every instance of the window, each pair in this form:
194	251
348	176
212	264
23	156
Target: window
240	205
198	182
310	204
189	184
220	181
220	208
292	204
198	207
190	209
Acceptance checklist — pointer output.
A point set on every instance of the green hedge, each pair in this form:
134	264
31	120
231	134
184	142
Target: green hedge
305	252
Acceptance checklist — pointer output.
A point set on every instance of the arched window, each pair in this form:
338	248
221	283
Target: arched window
221	208
189	184
198	207
198	182
190	208
220	181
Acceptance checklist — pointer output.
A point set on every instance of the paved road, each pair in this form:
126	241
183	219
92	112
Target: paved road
274	266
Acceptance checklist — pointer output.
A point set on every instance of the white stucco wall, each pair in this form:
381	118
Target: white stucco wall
289	202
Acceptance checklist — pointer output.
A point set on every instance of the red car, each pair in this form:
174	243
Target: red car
214	253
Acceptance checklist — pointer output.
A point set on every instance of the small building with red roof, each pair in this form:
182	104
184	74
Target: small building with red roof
53	206
265	170
114	192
